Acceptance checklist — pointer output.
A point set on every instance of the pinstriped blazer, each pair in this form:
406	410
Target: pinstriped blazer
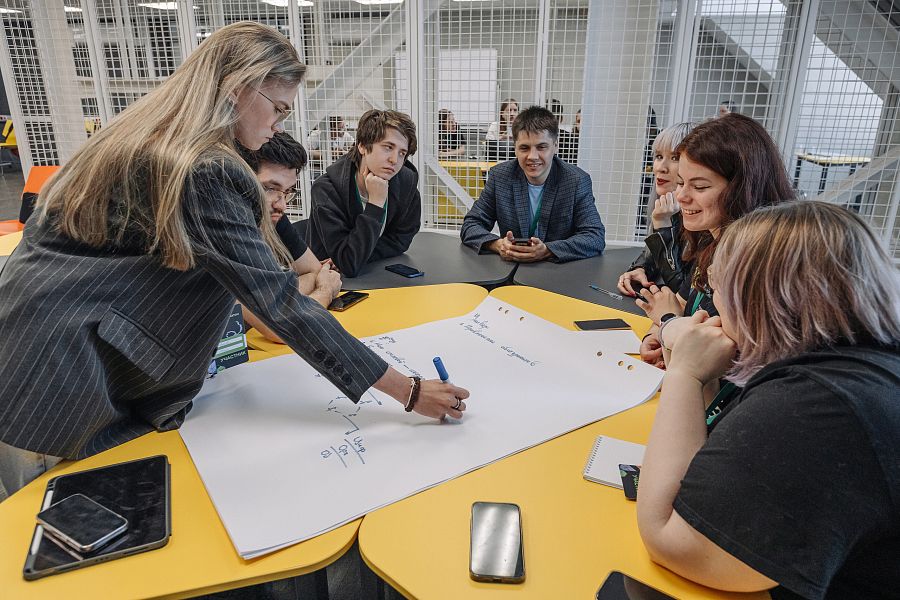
569	225
99	346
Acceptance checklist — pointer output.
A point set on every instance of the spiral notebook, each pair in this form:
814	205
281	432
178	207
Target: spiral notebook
606	456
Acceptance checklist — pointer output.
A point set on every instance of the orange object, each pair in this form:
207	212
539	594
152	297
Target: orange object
37	176
10	226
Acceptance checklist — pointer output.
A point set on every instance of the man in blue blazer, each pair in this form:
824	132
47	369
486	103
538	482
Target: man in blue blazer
544	205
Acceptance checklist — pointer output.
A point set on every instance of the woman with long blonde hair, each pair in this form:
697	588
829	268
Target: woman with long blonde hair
796	482
113	303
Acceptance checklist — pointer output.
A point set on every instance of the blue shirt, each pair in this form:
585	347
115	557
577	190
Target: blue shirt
534	198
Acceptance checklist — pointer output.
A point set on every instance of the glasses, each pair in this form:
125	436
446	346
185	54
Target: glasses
286	195
283	113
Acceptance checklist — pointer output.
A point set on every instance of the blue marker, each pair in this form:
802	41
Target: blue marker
445	378
442	371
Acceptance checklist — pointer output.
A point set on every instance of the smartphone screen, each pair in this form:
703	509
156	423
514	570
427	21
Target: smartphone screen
346	300
521	241
619	586
82	523
599	324
496	553
404	270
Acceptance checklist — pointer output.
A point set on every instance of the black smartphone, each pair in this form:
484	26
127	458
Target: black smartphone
526	241
619	586
81	523
495	553
599	324
404	270
346	300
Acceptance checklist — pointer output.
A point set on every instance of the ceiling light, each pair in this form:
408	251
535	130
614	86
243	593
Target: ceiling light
5	11
72	9
160	5
374	2
284	3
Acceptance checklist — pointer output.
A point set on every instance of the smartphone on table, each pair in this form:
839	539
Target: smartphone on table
496	553
81	523
523	241
346	300
601	324
619	586
404	270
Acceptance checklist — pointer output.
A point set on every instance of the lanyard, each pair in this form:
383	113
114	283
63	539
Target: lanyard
536	217
719	402
697	301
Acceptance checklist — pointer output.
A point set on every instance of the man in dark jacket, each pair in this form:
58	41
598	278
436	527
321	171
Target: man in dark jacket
543	206
367	206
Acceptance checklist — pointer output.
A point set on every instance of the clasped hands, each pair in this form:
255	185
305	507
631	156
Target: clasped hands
535	251
700	348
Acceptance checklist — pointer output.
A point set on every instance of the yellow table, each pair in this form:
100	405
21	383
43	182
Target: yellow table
575	531
9	242
199	557
471	175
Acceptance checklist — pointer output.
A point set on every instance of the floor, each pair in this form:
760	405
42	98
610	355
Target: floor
11	184
344	576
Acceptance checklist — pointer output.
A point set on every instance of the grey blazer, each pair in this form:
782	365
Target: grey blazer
569	225
99	346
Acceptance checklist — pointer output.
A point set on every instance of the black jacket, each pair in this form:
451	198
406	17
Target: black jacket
661	258
348	233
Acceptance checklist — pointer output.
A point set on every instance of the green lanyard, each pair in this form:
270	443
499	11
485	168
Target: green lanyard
536	217
719	402
697	301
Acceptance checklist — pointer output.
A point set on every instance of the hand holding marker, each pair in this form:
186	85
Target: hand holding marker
445	378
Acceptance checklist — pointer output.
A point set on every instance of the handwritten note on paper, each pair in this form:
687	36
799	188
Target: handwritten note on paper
285	457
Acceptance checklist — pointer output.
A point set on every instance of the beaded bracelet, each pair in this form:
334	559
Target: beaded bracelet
414	387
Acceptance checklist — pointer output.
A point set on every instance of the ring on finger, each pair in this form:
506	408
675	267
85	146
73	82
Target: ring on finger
457	405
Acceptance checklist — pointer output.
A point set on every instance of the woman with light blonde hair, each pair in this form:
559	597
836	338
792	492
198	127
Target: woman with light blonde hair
795	483
661	258
114	302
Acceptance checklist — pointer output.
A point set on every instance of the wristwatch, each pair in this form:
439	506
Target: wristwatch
662	325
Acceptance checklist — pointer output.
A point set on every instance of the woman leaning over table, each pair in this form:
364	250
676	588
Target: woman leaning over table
113	303
661	258
796	484
727	168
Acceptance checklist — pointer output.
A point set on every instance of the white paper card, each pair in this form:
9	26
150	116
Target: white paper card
285	457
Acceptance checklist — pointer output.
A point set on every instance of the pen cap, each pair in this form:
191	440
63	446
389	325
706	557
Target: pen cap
442	372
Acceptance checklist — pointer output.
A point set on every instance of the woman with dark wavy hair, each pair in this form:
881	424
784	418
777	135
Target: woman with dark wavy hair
727	168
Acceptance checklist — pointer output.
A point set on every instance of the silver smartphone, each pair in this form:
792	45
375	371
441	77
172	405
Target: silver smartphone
81	523
496	553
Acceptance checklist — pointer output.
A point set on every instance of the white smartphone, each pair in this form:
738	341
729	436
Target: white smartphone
496	553
81	523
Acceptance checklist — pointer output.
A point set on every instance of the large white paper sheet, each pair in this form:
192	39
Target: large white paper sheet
285	457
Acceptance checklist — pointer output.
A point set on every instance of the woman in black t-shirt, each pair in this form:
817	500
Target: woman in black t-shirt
727	168
794	486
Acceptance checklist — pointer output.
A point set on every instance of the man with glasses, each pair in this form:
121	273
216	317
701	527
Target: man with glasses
367	206
276	165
